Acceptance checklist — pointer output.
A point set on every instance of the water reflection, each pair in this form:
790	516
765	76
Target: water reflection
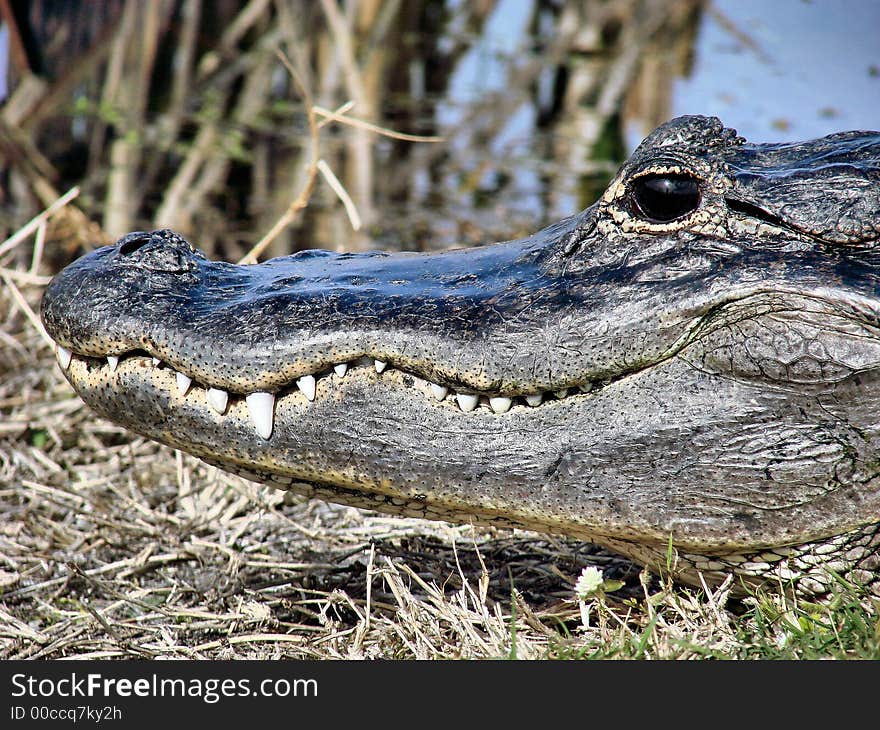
534	113
786	70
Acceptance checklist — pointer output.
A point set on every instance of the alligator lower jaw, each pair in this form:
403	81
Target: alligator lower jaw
493	468
151	398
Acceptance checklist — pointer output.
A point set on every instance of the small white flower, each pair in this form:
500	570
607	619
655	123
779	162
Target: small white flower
589	581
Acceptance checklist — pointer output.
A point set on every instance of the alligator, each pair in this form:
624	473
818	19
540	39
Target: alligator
690	367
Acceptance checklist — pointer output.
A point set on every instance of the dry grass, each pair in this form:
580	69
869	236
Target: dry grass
112	546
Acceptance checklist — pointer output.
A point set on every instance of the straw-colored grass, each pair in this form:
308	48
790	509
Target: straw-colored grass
112	546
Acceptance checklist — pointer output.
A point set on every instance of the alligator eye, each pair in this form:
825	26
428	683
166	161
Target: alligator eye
665	198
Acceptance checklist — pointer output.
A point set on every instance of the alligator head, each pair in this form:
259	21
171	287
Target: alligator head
694	359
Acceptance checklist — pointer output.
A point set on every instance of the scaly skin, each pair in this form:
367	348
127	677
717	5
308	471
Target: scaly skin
700	366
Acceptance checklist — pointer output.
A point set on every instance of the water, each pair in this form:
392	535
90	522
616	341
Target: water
776	71
4	62
803	69
779	71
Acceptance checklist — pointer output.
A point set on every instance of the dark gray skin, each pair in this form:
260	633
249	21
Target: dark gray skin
715	318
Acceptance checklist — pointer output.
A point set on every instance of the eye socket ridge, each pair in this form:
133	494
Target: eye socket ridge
664	197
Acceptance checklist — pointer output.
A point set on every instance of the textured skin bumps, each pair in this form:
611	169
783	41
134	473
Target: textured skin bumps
709	374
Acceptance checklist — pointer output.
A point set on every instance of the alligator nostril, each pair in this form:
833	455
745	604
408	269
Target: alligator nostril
132	242
155	251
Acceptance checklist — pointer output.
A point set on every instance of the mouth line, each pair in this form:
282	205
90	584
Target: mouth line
261	404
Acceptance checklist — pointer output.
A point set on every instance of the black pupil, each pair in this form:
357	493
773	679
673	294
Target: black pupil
664	198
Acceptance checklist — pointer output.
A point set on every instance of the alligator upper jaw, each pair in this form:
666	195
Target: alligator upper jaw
496	327
495	321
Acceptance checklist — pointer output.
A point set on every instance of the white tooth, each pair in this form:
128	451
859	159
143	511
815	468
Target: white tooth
500	404
113	362
307	385
380	365
466	401
156	361
183	383
562	393
439	391
341	369
64	356
261	407
218	399
534	400
586	388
